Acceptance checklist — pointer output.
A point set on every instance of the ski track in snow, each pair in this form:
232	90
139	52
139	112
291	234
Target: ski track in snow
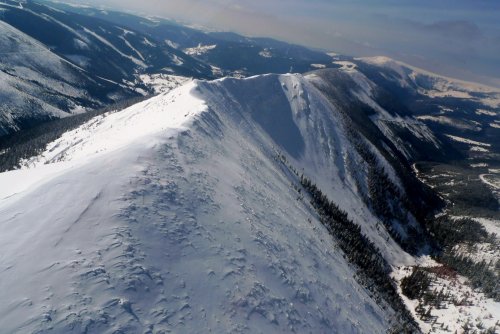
114	48
124	38
173	215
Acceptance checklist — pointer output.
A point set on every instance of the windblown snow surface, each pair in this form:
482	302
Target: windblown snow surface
174	216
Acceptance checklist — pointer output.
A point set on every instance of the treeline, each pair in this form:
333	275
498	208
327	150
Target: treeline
372	269
418	286
358	248
33	141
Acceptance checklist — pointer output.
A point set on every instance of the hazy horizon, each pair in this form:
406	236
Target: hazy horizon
459	39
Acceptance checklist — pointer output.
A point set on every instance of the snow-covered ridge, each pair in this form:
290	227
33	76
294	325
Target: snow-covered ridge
173	215
113	131
167	112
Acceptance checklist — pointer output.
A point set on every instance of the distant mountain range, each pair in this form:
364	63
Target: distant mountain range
233	54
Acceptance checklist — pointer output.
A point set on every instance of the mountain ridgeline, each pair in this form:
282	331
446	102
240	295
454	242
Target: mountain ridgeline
267	183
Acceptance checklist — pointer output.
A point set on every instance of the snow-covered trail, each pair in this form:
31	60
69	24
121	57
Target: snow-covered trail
173	215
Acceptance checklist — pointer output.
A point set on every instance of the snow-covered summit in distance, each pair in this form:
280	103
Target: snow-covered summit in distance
438	85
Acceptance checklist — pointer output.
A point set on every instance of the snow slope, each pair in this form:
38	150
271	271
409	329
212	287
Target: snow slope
29	72
174	215
36	84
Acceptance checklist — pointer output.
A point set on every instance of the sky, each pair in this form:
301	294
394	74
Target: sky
457	38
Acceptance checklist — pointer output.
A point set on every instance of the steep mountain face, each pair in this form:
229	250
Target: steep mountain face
445	129
190	212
